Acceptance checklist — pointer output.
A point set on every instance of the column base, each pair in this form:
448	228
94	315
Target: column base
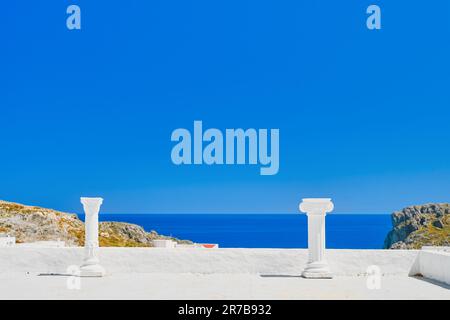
94	270
317	270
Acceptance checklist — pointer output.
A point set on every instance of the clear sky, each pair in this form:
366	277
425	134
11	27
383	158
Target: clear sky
364	116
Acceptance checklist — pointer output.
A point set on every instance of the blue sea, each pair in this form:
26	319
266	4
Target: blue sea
363	231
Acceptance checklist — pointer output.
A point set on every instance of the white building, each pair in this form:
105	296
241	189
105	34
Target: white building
164	244
44	244
173	244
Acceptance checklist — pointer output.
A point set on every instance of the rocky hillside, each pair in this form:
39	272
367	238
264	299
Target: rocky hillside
29	224
417	226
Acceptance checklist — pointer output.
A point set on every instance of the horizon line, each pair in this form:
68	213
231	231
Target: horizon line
236	213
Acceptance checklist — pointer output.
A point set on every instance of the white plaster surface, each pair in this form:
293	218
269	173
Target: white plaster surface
433	264
183	273
216	286
186	260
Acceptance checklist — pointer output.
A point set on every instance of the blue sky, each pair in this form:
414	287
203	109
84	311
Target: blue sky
363	115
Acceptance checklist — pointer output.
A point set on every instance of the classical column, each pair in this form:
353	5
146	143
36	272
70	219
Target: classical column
316	210
91	266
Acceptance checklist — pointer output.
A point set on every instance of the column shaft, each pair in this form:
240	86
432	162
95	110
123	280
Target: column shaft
91	266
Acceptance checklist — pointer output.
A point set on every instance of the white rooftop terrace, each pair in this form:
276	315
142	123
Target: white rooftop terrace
183	273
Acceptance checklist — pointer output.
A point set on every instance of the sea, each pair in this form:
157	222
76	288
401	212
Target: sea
343	231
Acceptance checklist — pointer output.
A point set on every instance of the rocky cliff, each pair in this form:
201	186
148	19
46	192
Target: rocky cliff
417	226
30	224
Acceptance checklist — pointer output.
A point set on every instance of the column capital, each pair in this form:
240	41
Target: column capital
318	206
91	204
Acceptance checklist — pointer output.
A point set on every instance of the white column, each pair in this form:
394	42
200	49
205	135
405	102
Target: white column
91	266
316	210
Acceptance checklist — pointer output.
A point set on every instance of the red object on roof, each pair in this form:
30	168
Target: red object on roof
208	246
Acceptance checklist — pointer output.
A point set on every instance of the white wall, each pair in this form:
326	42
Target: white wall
433	264
185	260
43	244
